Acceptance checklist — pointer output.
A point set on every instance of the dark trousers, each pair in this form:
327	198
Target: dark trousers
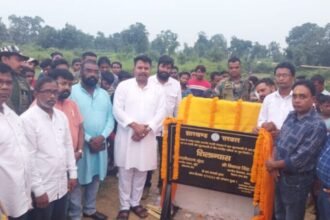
56	210
149	175
22	217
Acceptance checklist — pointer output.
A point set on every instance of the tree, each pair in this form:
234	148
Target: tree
101	42
48	37
165	42
217	48
258	51
136	38
274	51
4	36
240	48
201	45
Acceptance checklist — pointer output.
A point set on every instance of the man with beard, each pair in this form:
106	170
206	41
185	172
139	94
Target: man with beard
139	108
52	157
172	90
64	81
264	87
15	169
21	96
96	109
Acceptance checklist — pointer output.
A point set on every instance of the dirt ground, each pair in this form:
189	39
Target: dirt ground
108	203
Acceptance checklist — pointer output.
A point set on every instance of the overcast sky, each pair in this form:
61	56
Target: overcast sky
256	20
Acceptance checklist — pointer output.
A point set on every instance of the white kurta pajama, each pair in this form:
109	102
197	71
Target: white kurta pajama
144	106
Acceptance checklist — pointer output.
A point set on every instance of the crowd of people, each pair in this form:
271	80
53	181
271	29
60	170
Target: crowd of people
65	130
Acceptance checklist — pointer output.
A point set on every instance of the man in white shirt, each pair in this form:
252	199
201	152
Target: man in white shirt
15	170
172	90
49	142
318	82
277	105
139	108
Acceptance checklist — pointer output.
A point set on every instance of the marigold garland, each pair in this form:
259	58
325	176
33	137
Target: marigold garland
238	115
176	156
264	182
213	111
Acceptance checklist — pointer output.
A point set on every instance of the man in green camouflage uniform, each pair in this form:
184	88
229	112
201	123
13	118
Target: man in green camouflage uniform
234	87
21	96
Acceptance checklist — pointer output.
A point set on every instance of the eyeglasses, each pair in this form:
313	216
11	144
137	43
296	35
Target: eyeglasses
49	92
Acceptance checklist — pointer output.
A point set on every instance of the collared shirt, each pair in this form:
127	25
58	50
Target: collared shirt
50	143
198	87
300	141
96	110
323	165
75	119
15	169
275	108
173	96
325	92
144	106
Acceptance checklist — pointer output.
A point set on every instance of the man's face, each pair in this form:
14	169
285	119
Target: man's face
164	71
6	86
104	67
76	67
90	74
283	78
142	71
184	79
64	88
325	109
217	79
115	68
263	90
234	69
302	99
318	86
29	76
62	67
57	57
174	73
47	96
14	61
199	74
105	85
46	70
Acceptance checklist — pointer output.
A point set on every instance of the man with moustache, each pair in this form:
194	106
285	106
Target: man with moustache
139	108
173	98
96	109
21	96
264	87
52	157
15	169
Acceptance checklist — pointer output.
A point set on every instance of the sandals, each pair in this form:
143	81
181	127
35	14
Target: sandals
123	215
140	211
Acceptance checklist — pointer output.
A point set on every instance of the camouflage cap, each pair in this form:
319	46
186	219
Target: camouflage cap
12	50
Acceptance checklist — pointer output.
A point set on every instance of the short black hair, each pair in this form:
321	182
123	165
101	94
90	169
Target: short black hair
108	77
318	78
253	79
5	69
301	77
41	81
116	62
234	59
267	81
201	68
75	60
321	98
143	58
57	62
286	65
46	62
123	75
65	74
214	74
184	73
103	60
27	70
88	53
224	72
56	53
308	84
166	60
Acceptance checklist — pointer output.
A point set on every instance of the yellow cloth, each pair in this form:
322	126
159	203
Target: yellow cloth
227	115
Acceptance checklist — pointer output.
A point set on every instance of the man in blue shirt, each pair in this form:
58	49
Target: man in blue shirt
323	173
96	109
296	151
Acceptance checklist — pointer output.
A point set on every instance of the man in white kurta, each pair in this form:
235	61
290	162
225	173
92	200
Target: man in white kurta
15	169
139	108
